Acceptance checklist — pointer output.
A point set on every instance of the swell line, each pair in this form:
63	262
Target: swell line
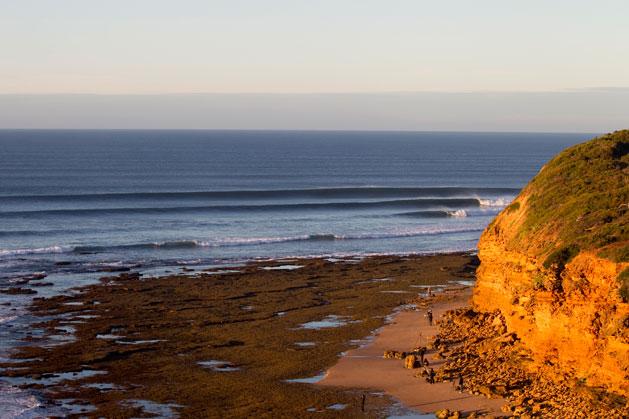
239	241
320	193
453	203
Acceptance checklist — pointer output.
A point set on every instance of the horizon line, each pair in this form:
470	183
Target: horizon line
409	131
592	89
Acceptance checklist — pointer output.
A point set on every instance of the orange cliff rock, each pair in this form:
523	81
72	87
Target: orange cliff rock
555	263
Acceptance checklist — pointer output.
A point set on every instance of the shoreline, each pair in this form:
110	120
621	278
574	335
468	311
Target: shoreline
365	367
250	331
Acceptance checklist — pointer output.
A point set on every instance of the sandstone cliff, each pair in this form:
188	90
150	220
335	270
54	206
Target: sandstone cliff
556	263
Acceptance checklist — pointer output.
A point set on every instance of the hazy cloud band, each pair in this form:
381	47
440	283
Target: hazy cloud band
596	110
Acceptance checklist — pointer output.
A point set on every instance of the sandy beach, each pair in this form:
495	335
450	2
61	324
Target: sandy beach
366	368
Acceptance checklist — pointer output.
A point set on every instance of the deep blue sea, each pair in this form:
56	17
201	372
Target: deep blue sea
75	203
147	198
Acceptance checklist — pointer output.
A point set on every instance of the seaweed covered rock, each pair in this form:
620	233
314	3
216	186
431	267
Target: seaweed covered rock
555	263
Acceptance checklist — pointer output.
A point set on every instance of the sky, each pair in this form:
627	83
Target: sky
63	54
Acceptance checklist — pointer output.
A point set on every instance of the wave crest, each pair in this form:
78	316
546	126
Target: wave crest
35	250
318	193
458	213
500	202
241	241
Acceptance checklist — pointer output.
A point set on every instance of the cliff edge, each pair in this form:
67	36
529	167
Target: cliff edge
556	263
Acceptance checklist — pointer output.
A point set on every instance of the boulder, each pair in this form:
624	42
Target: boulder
17	291
485	391
411	362
394	355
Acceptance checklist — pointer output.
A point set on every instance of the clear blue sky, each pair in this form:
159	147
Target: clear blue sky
120	47
165	46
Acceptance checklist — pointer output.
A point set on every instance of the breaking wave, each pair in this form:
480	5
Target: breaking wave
434	214
318	193
500	202
348	205
36	250
241	241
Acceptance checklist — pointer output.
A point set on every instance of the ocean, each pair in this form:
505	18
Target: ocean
75	205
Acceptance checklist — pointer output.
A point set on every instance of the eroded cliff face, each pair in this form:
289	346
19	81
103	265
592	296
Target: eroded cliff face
558	292
580	329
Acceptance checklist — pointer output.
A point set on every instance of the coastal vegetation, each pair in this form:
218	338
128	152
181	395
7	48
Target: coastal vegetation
579	201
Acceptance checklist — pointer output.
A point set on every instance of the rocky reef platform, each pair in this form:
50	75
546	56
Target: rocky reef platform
238	341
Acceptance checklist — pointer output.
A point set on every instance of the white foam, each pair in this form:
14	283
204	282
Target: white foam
375	280
412	232
138	342
282	268
500	202
464	282
35	250
17	403
107	336
7	318
218	366
458	213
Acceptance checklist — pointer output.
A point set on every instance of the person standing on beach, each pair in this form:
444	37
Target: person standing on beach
431	376
429	315
422	352
460	386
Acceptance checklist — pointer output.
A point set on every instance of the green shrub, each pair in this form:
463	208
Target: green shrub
580	197
513	207
538	282
561	257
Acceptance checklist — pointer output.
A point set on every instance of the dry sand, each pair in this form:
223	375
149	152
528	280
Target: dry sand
366	368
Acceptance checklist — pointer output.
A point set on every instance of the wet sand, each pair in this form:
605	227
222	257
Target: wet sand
366	368
223	342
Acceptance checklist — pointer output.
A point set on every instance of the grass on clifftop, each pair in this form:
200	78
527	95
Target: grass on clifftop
579	201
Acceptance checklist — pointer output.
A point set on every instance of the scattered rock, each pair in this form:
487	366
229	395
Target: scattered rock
35	276
394	355
18	291
122	277
411	362
114	269
494	363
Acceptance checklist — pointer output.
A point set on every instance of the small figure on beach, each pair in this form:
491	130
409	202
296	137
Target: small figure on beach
429	292
429	315
431	376
437	342
421	353
460	385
